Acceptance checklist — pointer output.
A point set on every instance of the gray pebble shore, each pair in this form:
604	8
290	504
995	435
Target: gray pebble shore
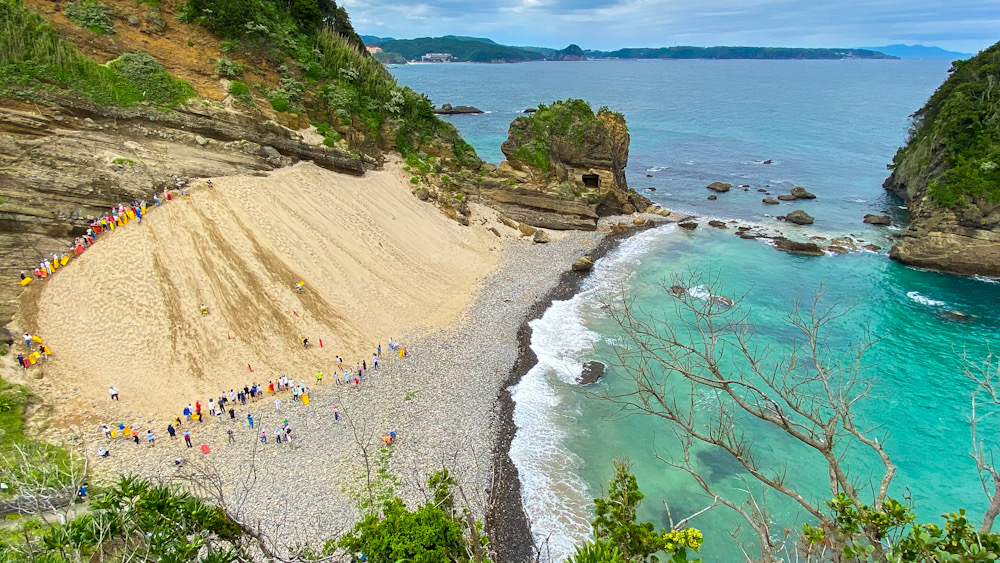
441	402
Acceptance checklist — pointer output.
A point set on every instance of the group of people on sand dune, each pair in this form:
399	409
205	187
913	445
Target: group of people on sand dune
227	403
36	351
117	217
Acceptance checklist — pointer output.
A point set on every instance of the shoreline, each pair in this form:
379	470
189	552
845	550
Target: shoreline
506	521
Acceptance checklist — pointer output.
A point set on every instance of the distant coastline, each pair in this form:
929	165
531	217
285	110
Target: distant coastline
482	50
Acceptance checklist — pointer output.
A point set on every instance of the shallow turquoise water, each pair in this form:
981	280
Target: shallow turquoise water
828	125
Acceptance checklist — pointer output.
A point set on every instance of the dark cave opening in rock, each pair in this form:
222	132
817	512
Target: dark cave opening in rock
591	180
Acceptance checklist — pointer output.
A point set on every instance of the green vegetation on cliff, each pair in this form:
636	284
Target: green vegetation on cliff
33	57
326	72
573	119
960	125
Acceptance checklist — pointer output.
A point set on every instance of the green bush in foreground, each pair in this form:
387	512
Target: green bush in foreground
92	15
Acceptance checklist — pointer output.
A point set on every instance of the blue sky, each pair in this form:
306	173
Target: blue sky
957	25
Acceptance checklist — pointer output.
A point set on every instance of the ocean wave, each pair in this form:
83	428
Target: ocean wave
689	162
923	299
657	169
986	279
555	498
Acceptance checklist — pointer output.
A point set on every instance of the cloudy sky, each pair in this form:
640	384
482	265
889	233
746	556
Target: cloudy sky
958	25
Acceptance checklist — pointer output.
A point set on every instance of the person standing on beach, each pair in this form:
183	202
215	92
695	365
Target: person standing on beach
171	431
319	377
150	438
277	405
27	340
375	362
113	391
263	436
187	438
232	439
278	433
250	420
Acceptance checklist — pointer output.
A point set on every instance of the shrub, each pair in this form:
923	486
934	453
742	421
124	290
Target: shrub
414	180
324	129
241	92
123	162
279	104
92	15
329	141
229	69
4	348
147	76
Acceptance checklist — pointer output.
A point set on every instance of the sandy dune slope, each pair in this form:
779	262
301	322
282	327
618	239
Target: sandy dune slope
375	261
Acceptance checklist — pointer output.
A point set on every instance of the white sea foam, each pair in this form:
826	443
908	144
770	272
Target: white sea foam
689	162
924	300
986	279
555	498
699	292
657	169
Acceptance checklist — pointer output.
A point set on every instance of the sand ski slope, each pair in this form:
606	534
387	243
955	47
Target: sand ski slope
375	260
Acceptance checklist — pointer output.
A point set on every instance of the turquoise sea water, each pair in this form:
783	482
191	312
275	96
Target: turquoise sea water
828	125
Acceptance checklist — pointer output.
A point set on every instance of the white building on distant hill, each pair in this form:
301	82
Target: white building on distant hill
373	50
436	58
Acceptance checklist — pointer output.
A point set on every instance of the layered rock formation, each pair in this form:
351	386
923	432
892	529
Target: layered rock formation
565	168
949	174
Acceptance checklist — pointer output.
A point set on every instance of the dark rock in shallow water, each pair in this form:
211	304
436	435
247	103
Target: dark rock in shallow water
678	290
787	197
720	187
770	201
592	373
448	109
689	226
713	197
800	193
807	248
877	219
799	217
717	224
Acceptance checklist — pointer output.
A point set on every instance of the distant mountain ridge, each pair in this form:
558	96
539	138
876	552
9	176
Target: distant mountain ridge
918	52
484	50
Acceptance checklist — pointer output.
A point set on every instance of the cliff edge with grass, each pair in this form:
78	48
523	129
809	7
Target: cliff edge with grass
949	173
107	101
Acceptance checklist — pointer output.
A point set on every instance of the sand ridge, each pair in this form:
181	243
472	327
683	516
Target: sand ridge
376	262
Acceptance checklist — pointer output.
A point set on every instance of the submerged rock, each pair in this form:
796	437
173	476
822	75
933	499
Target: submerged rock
787	197
795	247
593	371
770	201
713	197
717	224
688	225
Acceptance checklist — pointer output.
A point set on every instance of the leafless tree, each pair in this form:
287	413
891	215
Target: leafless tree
986	377
699	367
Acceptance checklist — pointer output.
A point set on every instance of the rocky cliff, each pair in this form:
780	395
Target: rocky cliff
949	173
565	168
107	105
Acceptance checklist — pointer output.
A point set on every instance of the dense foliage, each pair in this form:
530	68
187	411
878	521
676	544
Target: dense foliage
133	518
737	53
92	15
962	121
462	49
573	119
325	71
33	57
618	536
23	460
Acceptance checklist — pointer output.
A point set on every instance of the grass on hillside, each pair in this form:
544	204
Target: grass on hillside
34	57
962	119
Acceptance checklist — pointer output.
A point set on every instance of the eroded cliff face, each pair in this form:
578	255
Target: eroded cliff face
963	239
565	168
63	164
949	173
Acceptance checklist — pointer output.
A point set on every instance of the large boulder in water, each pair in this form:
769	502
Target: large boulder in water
799	217
800	193
568	162
592	372
721	187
